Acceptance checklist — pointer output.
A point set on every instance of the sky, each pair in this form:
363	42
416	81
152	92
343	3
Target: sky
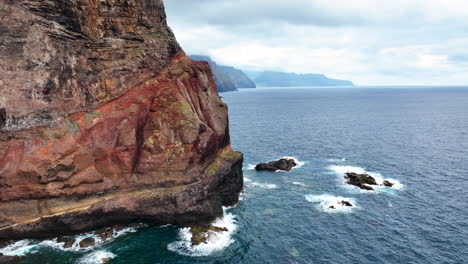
370	42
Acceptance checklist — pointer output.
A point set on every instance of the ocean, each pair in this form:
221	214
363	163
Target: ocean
417	137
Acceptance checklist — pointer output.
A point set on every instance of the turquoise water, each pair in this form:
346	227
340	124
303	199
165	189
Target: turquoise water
418	137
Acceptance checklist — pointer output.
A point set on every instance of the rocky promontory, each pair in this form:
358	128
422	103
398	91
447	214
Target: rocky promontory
104	120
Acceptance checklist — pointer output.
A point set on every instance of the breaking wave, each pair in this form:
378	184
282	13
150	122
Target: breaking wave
341	170
28	246
332	204
217	241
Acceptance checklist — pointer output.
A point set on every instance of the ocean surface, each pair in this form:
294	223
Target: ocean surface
415	137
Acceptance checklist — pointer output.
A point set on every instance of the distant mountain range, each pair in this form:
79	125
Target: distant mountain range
228	78
286	79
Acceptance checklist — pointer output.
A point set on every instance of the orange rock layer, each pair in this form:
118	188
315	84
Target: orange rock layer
160	152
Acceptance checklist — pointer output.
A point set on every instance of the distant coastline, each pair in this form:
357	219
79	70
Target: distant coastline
229	79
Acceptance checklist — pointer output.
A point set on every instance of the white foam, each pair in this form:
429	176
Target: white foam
299	183
251	167
247	179
298	162
337	160
217	241
25	247
19	248
379	179
324	201
96	257
264	185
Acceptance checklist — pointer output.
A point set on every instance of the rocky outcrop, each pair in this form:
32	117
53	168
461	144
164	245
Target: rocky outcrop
360	180
281	164
105	120
238	77
202	234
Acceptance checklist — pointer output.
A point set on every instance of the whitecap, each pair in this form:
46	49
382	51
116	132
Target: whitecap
251	166
96	257
325	201
264	185
298	162
247	179
379	179
299	184
336	160
25	247
217	241
20	248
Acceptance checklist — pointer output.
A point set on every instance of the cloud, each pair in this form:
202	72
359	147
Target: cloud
366	41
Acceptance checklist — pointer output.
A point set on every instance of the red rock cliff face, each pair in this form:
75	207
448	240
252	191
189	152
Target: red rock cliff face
103	119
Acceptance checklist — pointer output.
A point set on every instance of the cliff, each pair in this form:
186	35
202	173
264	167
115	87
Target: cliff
104	119
223	82
238	77
284	79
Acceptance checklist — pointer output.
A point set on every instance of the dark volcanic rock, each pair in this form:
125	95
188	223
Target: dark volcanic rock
10	259
105	234
201	234
105	120
387	183
68	241
87	242
282	164
360	180
346	203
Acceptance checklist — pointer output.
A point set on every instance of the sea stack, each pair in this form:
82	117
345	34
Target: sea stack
104	120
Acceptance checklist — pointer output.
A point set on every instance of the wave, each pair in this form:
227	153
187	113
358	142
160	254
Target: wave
337	160
259	184
96	257
217	241
298	162
264	185
27	246
251	166
299	184
19	248
325	201
341	170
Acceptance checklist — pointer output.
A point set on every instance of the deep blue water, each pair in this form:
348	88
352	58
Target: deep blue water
415	136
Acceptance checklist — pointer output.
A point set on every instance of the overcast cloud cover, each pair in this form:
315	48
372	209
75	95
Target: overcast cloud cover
371	42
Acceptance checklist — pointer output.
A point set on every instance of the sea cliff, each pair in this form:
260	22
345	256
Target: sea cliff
104	120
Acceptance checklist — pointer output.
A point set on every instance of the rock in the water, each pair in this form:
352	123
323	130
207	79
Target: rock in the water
332	207
10	259
87	242
105	260
69	241
201	234
105	234
282	164
360	180
388	183
346	203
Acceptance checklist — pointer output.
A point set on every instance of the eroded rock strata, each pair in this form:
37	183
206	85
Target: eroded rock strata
104	120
